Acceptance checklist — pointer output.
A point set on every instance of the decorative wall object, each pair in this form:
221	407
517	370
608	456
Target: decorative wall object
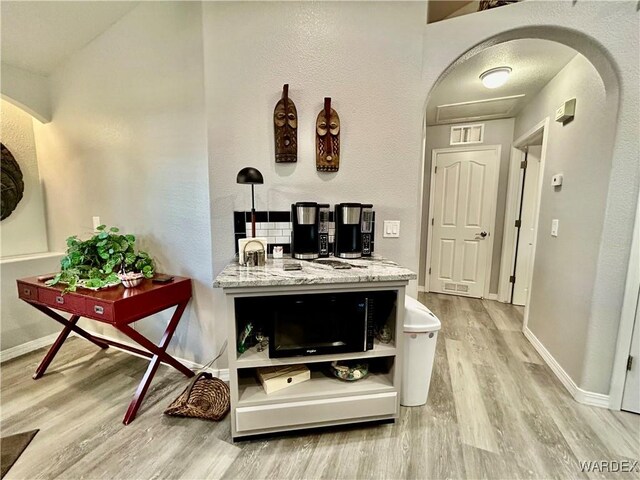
285	121
327	139
488	4
12	183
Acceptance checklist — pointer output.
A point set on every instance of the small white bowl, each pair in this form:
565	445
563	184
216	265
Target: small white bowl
130	280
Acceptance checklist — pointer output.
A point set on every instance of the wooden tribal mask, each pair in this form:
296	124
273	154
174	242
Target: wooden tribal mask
327	139
285	120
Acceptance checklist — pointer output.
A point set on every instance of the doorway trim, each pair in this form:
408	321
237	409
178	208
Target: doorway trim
630	305
509	238
432	183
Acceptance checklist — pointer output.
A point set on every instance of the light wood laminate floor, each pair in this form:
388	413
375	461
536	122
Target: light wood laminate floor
495	410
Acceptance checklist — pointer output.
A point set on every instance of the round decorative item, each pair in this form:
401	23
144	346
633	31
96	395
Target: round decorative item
384	334
350	371
12	183
130	280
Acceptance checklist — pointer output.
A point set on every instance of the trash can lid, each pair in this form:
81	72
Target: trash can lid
418	318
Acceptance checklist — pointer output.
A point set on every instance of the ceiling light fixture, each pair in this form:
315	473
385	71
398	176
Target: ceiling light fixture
496	77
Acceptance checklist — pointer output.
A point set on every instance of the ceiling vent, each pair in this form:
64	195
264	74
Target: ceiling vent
478	109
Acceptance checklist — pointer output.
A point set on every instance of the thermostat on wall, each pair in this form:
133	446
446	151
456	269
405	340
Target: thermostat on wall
556	180
567	111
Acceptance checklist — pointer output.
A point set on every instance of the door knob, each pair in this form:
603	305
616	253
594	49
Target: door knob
482	234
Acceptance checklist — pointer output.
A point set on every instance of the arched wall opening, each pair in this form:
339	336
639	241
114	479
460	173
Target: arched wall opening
591	364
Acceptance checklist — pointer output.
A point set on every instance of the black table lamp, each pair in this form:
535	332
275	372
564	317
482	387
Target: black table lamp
251	176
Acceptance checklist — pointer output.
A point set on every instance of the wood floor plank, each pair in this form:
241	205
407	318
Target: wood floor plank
473	420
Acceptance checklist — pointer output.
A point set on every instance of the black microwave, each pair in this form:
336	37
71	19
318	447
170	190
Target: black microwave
320	324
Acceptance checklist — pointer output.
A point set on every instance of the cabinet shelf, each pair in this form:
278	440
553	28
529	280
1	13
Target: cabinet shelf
321	385
252	358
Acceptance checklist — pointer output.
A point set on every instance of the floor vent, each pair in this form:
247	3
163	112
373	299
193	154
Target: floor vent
450	286
463	288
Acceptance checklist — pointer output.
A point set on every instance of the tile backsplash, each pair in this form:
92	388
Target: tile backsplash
276	227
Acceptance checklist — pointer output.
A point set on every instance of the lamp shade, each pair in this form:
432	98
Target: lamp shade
250	176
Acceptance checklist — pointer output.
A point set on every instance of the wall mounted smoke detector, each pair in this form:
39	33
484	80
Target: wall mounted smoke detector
496	77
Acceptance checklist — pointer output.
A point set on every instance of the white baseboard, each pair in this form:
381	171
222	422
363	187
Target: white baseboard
492	296
422	288
579	395
8	354
28	347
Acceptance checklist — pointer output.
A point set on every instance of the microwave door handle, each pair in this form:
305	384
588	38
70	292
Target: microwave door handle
366	322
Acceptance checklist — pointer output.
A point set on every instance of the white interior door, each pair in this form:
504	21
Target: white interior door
527	228
463	217
631	395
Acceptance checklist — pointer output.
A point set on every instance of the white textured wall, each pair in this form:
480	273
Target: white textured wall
21	323
581	150
128	143
496	132
366	57
607	34
24	231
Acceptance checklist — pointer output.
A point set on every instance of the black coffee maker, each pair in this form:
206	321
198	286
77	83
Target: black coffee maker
305	238
348	236
367	230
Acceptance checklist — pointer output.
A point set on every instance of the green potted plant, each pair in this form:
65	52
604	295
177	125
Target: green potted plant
106	259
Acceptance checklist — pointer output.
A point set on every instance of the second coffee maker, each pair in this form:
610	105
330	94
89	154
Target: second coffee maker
348	237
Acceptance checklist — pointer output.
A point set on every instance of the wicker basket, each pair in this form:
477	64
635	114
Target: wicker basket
206	397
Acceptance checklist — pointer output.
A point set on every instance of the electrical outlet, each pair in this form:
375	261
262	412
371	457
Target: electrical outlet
391	229
96	223
555	224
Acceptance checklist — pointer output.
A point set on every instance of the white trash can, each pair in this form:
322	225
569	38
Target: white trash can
420	334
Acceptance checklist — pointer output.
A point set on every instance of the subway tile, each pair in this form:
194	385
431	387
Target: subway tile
275	233
280	216
239	222
282	225
261	233
283	240
271	240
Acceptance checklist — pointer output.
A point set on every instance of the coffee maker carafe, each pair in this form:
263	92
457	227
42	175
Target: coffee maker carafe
348	236
305	242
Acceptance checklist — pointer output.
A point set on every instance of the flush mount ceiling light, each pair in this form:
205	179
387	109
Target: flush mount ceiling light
496	77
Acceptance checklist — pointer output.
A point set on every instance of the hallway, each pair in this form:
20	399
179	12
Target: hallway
511	411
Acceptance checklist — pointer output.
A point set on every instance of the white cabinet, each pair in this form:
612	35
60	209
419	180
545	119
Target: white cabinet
322	400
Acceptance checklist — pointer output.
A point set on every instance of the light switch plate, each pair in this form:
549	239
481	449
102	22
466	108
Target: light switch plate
391	229
96	223
555	223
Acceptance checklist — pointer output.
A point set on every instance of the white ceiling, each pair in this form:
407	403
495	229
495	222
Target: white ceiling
39	36
534	64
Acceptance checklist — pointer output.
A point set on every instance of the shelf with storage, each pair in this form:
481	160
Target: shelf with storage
253	358
321	385
323	400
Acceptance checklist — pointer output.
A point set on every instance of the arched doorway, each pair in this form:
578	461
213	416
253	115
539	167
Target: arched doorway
592	346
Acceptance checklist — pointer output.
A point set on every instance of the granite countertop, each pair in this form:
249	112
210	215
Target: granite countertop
363	270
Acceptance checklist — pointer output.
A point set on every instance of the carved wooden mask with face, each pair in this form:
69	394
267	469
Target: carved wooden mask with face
285	120
328	139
